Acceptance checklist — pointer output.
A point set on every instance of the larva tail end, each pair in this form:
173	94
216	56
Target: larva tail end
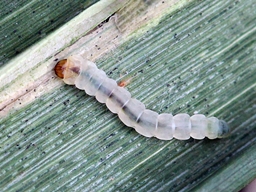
224	129
60	68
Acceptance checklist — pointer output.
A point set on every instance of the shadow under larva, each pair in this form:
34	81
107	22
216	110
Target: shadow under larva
84	74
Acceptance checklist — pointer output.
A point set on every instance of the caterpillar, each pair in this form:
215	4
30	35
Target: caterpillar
84	74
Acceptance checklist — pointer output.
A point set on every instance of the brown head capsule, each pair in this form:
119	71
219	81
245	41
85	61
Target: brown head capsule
60	68
68	69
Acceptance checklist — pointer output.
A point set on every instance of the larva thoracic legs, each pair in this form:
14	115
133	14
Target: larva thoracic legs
86	76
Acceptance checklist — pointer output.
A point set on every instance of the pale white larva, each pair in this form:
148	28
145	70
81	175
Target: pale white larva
85	75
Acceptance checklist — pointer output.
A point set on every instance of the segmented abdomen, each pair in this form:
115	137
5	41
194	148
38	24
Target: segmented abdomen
133	113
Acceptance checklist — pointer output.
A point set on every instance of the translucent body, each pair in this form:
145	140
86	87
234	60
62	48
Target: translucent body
86	76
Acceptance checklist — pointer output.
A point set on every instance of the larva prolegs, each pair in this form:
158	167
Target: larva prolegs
85	75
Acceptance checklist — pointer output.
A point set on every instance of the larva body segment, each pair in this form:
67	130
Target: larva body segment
131	112
118	99
105	90
86	76
148	120
182	126
165	126
198	126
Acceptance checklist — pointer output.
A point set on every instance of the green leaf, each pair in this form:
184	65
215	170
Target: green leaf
181	57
